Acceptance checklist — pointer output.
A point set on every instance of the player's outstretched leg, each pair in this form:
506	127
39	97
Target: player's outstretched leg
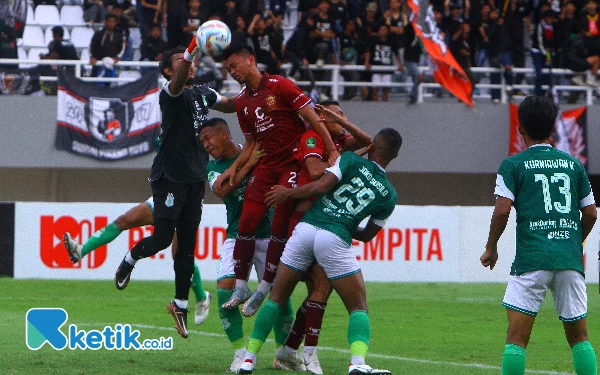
137	216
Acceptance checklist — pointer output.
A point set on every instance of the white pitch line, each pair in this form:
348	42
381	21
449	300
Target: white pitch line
346	351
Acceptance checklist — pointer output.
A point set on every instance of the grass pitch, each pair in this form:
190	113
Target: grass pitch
416	329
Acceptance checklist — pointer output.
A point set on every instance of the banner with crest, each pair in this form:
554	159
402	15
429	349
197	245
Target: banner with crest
107	123
569	136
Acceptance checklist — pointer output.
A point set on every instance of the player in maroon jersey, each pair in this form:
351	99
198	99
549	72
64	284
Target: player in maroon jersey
312	155
269	109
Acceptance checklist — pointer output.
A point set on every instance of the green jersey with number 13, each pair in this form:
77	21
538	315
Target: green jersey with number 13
548	188
363	190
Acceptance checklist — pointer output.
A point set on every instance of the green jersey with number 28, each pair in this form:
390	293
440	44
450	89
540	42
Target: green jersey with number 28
363	190
548	188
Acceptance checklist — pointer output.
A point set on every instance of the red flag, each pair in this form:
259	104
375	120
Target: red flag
446	71
569	135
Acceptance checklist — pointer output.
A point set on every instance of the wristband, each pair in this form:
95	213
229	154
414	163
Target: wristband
188	57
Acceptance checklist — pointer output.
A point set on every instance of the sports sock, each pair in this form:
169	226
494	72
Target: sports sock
264	287
274	251
231	319
359	333
262	326
284	322
101	237
584	359
298	331
181	303
513	360
243	252
129	259
197	284
241	283
314	319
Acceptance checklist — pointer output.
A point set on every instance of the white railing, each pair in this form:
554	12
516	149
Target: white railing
335	84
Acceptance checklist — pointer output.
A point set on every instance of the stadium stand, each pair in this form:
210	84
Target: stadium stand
47	15
71	15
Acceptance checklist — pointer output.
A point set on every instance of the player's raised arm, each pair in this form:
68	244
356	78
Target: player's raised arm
226	105
359	138
182	71
497	226
309	115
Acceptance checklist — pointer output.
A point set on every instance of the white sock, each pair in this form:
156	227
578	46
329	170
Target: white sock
309	349
357	360
264	287
129	259
181	303
241	283
288	349
240	351
251	357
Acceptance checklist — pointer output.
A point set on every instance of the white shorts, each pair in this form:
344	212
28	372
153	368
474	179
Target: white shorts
381	78
226	262
150	203
526	293
309	243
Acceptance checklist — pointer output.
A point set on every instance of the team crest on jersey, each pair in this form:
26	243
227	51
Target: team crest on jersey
311	142
211	175
109	118
170	200
271	100
260	114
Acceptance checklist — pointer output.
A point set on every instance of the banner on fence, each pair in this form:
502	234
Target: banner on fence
107	123
569	136
418	244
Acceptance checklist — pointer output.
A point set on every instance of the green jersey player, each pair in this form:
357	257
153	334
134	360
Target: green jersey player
549	189
216	140
351	190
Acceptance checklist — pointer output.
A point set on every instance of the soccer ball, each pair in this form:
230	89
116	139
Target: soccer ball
213	37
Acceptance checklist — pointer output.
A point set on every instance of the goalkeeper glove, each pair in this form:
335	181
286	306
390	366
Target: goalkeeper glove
190	53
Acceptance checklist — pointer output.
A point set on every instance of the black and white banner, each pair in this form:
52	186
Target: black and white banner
107	123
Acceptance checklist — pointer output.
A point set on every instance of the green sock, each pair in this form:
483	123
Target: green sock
359	330
231	319
197	284
513	360
584	359
284	322
263	325
101	237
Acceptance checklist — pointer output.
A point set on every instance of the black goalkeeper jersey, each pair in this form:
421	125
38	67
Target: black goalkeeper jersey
181	157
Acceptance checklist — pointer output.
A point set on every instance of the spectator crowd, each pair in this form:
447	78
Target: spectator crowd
496	33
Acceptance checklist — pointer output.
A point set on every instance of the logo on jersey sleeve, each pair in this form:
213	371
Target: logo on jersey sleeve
311	142
212	176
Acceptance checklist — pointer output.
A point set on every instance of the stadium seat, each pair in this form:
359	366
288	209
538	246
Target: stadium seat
22	55
34	54
30	20
71	15
136	37
81	36
128	74
33	36
47	15
85	57
48	34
